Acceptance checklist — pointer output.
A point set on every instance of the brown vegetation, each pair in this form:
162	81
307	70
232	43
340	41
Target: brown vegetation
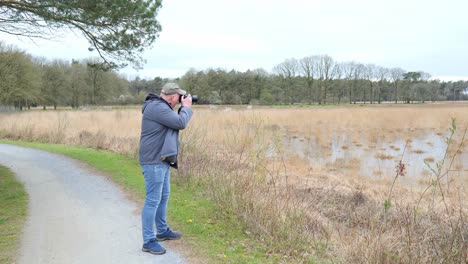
300	206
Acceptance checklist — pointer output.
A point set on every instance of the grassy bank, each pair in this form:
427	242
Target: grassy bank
13	210
207	232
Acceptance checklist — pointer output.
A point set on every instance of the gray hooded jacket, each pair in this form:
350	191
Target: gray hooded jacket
159	141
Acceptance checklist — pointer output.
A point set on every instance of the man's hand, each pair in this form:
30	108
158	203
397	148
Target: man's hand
187	102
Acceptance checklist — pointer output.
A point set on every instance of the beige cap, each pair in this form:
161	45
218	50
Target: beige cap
172	88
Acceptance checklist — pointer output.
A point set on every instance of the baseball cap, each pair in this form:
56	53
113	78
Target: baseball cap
172	88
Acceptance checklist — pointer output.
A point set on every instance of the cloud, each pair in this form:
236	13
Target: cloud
245	34
197	40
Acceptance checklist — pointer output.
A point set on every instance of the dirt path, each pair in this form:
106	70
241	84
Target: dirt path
75	216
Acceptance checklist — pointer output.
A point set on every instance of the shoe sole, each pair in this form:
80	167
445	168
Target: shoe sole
167	238
153	252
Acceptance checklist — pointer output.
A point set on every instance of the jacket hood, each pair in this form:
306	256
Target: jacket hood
152	97
149	98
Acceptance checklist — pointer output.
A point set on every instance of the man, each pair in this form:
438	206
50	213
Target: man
159	145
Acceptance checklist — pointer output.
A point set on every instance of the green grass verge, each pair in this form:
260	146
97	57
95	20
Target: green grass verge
211	234
13	211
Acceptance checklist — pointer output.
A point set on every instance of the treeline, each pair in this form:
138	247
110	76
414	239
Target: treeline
28	81
320	80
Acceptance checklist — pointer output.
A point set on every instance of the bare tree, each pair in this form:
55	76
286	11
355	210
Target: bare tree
382	74
94	80
54	83
308	67
339	88
327	70
396	75
20	78
348	69
288	71
369	73
77	84
425	76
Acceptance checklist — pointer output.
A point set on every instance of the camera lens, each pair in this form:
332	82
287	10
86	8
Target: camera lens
194	98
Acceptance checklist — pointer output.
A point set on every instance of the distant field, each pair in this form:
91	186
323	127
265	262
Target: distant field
356	140
333	167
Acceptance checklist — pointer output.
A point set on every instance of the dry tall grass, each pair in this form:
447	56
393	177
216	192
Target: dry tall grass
302	209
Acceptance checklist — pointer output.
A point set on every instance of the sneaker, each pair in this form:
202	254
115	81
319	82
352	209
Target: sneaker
168	235
153	247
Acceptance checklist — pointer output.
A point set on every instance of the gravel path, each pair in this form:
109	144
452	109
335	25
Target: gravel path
75	215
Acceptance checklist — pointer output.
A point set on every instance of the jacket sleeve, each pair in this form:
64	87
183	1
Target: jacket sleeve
164	115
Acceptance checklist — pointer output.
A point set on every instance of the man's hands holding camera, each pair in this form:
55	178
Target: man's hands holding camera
186	100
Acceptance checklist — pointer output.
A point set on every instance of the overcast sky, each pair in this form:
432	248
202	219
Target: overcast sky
415	35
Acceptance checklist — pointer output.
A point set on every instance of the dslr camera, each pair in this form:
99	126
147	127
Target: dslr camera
194	98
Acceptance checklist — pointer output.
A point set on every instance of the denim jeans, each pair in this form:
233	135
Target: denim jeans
157	182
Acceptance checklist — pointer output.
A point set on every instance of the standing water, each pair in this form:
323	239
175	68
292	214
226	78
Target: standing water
378	159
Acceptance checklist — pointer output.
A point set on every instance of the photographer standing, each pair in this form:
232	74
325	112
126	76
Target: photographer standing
159	145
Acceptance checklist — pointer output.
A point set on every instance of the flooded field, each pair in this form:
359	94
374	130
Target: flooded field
378	159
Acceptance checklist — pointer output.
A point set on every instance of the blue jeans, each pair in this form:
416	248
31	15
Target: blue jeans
158	188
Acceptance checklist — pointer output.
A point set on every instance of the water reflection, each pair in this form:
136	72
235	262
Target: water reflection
377	157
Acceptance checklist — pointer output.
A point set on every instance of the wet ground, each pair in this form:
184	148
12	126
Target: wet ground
379	156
